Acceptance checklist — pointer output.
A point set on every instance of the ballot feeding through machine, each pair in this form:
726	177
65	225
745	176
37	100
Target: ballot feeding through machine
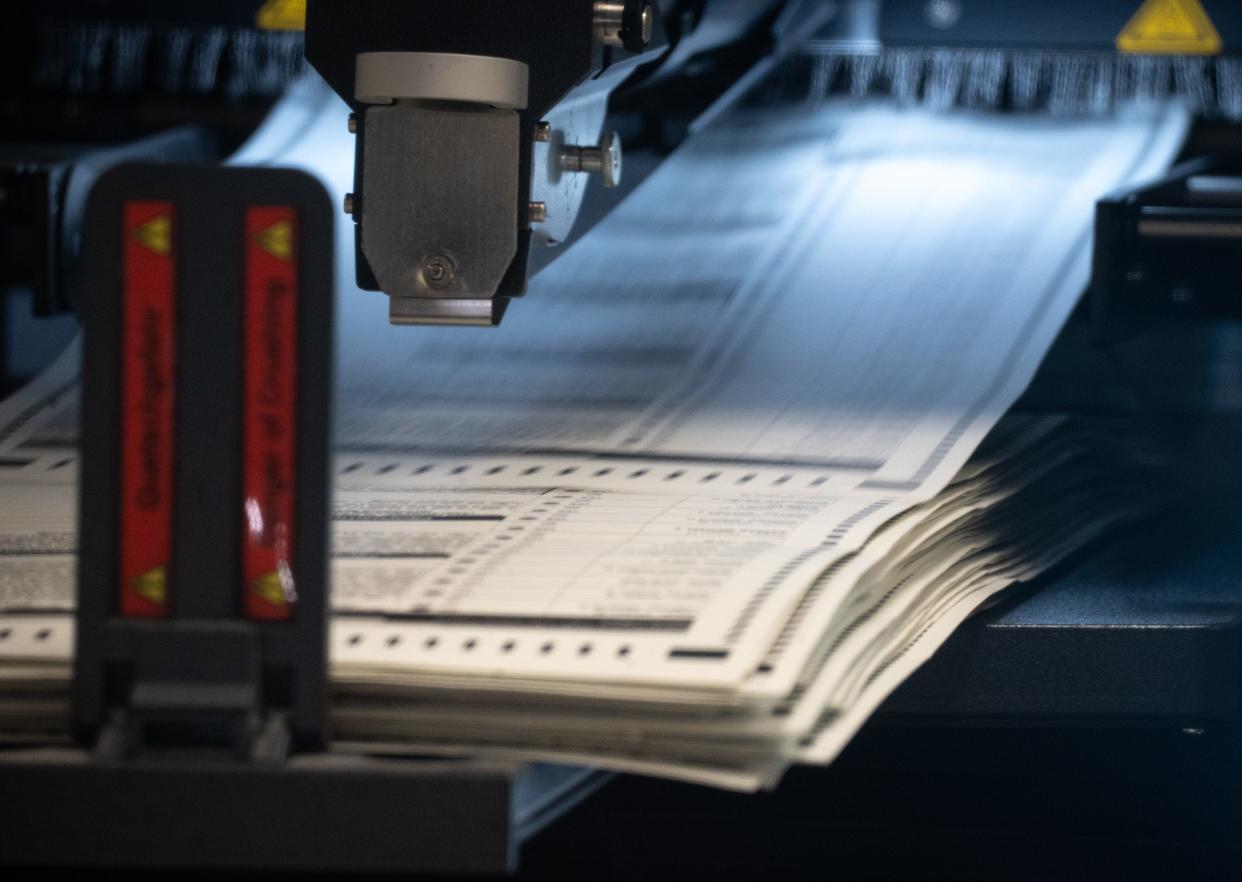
488	137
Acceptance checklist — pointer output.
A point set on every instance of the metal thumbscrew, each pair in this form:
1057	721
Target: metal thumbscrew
438	271
604	159
626	24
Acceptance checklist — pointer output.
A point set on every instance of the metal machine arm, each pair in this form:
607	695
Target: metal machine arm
478	123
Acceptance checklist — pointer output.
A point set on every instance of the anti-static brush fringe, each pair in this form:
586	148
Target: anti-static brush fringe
217	61
1057	82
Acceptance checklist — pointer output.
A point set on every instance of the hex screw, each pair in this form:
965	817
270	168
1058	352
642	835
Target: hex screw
438	271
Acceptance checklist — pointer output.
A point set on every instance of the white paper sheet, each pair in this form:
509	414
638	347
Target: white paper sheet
798	329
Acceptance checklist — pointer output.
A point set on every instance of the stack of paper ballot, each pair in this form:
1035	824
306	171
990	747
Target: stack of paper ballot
720	483
737	713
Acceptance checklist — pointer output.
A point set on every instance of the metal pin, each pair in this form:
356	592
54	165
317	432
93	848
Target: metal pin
353	124
646	24
537	212
543	132
438	271
624	23
604	159
609	20
349	203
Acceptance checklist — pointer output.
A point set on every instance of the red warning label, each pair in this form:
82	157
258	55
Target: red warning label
270	427
147	401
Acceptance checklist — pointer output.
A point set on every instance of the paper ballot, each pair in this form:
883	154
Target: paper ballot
708	496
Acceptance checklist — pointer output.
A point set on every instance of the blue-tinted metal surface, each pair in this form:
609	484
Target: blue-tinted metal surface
1149	627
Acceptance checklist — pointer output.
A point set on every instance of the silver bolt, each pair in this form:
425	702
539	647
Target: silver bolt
538	212
1192	730
943	14
648	23
543	132
610	23
609	20
349	203
438	271
604	159
353	124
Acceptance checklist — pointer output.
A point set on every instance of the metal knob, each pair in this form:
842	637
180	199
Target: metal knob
627	24
604	159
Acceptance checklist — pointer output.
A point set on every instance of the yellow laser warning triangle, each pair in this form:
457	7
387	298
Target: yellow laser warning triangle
153	585
1177	27
271	588
282	15
277	240
156	234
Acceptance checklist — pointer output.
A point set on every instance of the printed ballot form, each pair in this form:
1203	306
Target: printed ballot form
721	467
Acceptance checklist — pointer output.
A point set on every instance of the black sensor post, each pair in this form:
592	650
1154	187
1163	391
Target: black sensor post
202	590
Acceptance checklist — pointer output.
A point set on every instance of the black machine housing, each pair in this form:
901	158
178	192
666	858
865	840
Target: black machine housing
554	38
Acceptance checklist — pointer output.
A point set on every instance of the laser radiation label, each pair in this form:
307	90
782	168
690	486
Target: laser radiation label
269	471
1174	27
147	401
282	15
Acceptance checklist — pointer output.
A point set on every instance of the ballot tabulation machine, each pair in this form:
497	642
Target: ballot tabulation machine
1114	684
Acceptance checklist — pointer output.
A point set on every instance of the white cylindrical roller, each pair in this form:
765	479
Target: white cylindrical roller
383	77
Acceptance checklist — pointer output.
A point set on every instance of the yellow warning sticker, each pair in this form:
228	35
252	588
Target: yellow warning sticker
1177	27
282	15
271	587
156	234
277	240
153	585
